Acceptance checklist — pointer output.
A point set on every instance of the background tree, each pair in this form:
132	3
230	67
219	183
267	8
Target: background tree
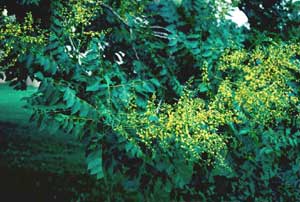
276	18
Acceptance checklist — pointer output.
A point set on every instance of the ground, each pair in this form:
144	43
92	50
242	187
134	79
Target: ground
35	165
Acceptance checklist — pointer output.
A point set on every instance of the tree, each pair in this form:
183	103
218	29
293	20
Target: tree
276	18
114	73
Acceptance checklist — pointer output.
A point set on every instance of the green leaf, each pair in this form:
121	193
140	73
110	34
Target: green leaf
53	126
173	41
184	172
70	127
76	107
77	130
96	87
265	150
84	110
39	75
148	87
155	82
203	87
94	163
29	60
71	100
131	185
153	118
244	131
69	97
141	101
207	53
133	150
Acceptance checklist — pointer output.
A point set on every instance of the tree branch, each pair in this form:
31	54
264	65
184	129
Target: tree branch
115	14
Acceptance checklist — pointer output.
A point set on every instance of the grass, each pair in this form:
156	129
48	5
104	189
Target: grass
11	105
34	165
23	145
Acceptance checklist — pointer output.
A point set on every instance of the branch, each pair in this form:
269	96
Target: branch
123	22
158	107
161	35
156	34
160	27
133	46
115	14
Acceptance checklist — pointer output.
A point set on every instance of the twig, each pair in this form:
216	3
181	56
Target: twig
157	34
133	46
115	13
73	45
158	107
135	52
124	22
161	35
160	27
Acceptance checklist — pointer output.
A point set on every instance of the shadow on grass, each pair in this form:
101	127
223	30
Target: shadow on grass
36	166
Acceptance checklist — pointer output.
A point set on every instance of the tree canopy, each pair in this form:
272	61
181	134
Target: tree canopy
171	100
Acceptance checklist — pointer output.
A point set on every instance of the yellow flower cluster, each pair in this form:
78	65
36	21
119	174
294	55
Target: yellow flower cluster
259	86
255	91
232	61
78	15
188	125
25	34
81	12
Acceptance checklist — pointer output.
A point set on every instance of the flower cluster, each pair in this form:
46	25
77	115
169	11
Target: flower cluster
21	36
256	91
188	126
259	86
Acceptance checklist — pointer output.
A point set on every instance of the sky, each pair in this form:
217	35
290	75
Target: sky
239	17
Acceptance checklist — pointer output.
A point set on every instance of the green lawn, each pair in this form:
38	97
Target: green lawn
32	161
26	146
11	105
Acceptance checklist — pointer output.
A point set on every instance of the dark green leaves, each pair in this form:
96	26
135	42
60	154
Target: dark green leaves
183	173
133	150
96	87
69	97
94	162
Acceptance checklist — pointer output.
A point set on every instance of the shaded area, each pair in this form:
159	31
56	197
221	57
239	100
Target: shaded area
25	146
36	166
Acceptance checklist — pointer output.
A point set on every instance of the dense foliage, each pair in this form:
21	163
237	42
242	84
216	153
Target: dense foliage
169	99
272	20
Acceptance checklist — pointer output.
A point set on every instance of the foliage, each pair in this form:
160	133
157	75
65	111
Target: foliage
18	40
262	90
113	74
272	19
173	139
240	135
186	127
260	85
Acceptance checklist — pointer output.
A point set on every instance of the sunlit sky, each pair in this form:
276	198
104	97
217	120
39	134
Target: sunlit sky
239	17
